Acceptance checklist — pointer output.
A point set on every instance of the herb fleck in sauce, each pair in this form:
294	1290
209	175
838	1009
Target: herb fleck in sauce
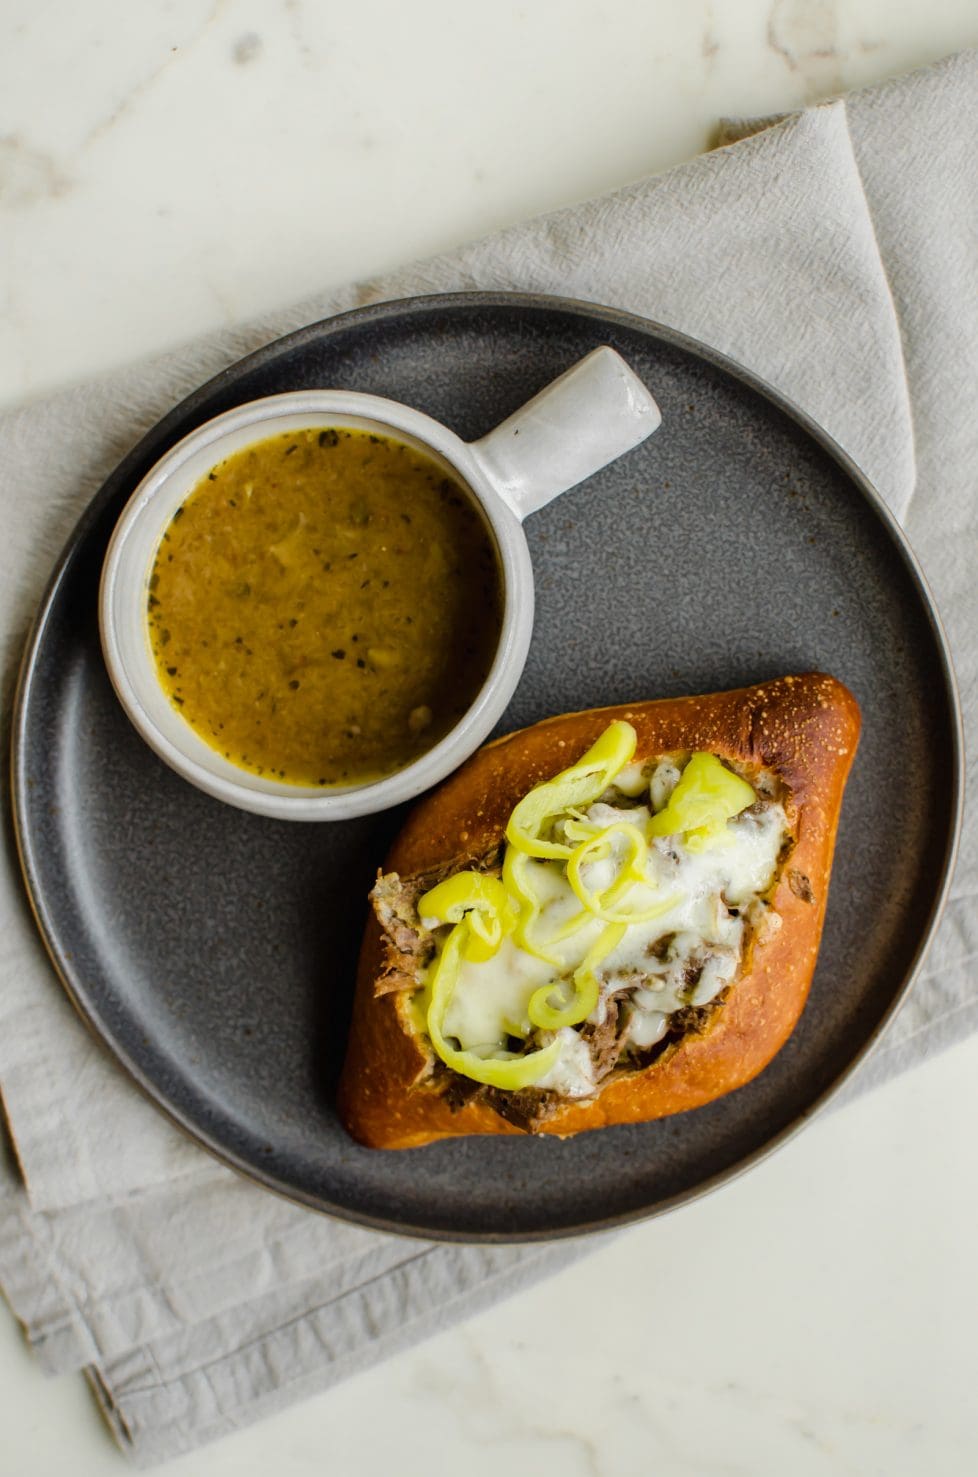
290	552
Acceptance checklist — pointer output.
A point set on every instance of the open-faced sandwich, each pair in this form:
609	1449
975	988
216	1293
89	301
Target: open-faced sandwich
606	918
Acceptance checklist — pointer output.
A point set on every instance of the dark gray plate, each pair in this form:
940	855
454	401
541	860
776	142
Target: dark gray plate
213	951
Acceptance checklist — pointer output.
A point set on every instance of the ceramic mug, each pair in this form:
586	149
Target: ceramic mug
592	414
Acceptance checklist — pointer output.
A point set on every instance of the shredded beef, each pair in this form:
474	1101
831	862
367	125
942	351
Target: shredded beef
691	1018
531	1107
527	1108
459	1090
659	948
407	946
693	971
605	1042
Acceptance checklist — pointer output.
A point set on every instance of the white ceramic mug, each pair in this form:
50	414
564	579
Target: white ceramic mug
585	419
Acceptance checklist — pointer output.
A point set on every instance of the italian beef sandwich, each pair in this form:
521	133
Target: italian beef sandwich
608	917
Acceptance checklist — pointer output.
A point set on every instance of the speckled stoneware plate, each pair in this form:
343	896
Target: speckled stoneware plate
214	951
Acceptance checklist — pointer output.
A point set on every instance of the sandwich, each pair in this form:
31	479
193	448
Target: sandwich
611	916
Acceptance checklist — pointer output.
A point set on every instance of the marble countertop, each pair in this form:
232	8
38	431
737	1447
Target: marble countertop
169	169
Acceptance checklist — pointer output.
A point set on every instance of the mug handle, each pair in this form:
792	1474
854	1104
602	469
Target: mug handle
592	414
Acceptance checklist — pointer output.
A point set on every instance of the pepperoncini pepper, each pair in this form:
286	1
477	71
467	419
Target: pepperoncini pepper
573	788
490	911
706	797
603	904
579	785
502	1069
586	987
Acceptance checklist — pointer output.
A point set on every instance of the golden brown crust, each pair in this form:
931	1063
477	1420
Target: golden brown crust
804	728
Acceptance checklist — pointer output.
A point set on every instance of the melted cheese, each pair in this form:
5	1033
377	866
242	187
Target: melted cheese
491	997
684	956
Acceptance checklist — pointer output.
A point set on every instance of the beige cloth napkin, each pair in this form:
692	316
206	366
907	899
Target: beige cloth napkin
835	254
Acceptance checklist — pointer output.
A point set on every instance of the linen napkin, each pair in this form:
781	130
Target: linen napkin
835	254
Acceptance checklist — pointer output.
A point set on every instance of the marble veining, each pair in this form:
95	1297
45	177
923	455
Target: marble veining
805	33
653	1411
29	175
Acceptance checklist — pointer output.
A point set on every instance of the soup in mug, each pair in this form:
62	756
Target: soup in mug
324	606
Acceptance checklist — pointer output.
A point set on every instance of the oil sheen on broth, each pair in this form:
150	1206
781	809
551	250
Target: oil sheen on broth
324	606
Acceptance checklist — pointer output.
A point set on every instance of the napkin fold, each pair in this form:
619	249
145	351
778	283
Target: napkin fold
834	254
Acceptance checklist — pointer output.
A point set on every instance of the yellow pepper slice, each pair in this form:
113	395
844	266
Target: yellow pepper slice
498	1070
516	878
586	987
573	788
706	797
483	901
577	827
575	1009
604	904
577	786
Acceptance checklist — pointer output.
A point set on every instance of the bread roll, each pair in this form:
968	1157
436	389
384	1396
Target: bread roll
793	740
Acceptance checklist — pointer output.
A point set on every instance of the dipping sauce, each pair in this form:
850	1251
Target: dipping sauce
324	606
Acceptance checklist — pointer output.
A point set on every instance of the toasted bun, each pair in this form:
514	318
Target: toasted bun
802	729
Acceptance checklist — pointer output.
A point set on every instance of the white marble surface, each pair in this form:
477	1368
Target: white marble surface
169	168
172	167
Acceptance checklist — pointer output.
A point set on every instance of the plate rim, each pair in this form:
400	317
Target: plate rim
393	308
